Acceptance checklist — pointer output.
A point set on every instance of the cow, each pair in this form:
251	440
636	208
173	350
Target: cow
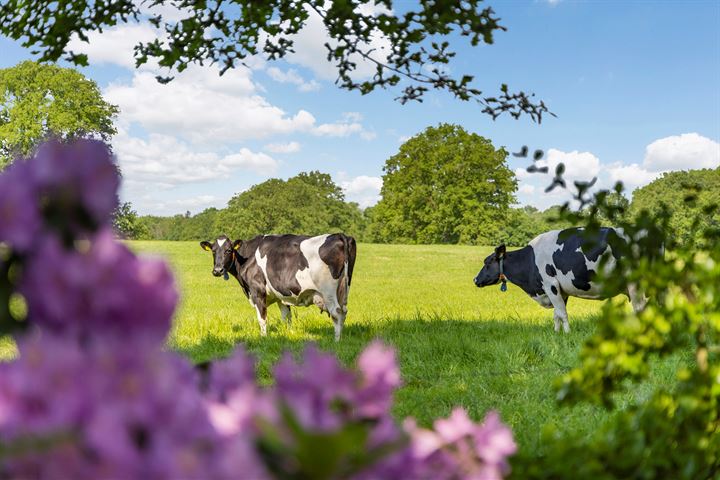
556	265
290	270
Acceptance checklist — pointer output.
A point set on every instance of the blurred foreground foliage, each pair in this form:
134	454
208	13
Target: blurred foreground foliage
675	431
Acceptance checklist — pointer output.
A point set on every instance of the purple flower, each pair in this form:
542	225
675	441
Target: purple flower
319	391
19	211
77	178
98	287
230	374
233	398
108	411
380	378
42	391
458	447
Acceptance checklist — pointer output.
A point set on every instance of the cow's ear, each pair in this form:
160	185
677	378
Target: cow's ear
237	244
206	246
500	251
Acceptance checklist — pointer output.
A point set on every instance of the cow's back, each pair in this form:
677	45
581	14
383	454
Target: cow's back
573	260
297	266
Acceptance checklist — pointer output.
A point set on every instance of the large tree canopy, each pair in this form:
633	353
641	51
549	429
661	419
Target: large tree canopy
445	185
37	101
414	42
308	203
685	196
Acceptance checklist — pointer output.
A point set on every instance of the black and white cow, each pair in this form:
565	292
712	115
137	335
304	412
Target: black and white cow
557	265
290	270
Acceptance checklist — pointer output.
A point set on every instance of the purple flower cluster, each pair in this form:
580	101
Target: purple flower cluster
100	287
110	411
66	187
460	446
93	394
19	208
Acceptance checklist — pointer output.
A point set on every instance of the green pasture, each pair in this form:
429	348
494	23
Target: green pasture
457	345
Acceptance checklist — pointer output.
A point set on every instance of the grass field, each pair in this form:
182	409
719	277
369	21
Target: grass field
457	344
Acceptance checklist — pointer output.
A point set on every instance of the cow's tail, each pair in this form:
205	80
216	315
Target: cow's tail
343	289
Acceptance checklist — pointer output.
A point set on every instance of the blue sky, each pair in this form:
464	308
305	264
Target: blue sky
635	85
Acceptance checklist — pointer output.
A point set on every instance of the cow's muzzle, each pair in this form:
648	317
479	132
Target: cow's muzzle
483	282
218	272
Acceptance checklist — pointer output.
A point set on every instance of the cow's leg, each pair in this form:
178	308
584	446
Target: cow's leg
336	311
286	313
637	299
258	301
338	320
558	300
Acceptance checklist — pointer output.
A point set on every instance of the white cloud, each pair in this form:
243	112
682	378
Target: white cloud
526	189
163	161
115	45
374	9
522	173
578	165
682	152
148	204
290	147
679	152
688	151
352	116
364	190
310	51
339	129
632	176
203	107
169	12
293	77
349	124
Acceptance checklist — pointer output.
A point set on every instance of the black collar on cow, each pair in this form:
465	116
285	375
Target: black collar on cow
503	279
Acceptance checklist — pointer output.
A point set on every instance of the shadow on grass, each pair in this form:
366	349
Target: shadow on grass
431	351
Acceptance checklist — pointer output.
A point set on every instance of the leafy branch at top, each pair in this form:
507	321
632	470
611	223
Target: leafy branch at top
408	47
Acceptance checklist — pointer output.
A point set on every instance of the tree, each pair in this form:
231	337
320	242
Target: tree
684	196
229	32
38	101
521	225
445	185
127	224
309	203
620	205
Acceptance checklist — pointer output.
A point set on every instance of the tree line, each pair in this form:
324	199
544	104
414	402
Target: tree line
445	185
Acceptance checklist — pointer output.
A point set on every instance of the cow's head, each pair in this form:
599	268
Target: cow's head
223	250
490	273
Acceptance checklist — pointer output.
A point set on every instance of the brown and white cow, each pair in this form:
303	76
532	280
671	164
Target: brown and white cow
290	270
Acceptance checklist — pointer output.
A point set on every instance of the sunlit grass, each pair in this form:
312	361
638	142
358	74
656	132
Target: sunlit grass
457	345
